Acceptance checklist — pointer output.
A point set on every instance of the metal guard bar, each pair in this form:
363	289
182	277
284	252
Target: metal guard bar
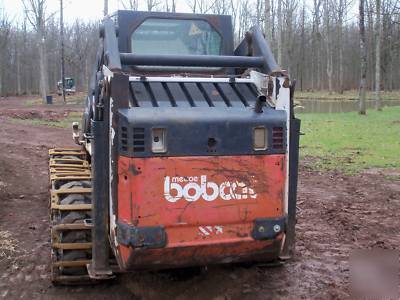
192	60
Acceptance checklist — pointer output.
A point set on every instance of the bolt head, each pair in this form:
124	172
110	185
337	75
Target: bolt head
277	228
261	229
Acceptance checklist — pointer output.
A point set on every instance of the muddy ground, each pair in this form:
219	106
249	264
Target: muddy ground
337	214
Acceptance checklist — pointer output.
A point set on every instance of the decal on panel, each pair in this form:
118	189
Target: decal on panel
193	188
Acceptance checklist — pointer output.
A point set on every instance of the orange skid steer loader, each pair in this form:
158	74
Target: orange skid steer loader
188	152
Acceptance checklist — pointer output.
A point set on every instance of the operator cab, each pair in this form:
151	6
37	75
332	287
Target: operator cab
176	34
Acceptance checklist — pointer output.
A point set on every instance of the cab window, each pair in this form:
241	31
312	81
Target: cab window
177	37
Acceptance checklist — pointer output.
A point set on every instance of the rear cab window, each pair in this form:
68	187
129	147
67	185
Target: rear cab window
159	36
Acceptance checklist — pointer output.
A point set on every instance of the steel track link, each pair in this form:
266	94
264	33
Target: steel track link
70	213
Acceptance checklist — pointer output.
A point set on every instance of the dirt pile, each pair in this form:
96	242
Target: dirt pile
46	115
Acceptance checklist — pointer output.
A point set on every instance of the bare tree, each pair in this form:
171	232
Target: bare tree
152	4
315	47
259	8
130	4
243	18
234	16
62	50
303	42
369	8
289	16
17	45
105	9
267	21
220	7
36	15
317	43
378	33
279	33
200	6
5	29
170	6
389	49
341	8
328	41
363	51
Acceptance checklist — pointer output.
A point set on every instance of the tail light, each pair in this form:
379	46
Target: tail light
158	140
260	138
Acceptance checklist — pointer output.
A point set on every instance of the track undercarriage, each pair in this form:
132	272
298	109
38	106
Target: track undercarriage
70	215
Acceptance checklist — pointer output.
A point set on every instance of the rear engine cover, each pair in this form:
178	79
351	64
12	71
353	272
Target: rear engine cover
208	203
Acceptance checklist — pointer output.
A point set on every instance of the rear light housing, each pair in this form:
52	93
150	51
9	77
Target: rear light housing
159	140
260	138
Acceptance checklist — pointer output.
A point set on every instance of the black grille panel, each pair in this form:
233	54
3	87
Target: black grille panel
124	139
132	139
192	94
138	140
277	138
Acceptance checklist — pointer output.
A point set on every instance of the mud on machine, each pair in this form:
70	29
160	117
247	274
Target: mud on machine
188	152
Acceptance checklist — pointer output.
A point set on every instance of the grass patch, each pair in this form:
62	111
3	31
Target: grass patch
77	98
61	123
347	95
350	142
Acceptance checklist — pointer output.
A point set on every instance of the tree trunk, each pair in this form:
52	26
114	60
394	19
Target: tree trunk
317	73
340	42
1	80
279	33
18	69
62	50
328	38
43	65
369	42
267	21
105	7
378	30
315	46
363	51
27	90
303	41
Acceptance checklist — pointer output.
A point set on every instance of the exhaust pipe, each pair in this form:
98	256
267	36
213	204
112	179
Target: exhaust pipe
260	102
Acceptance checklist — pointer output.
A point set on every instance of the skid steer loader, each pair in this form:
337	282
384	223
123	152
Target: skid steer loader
188	152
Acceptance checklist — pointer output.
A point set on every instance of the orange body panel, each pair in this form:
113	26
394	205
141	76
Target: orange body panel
207	206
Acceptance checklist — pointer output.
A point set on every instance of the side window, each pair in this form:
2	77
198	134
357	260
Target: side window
180	37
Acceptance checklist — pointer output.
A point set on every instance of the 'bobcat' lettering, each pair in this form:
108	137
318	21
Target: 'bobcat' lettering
191	190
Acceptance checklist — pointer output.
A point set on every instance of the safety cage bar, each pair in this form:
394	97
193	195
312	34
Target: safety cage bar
252	52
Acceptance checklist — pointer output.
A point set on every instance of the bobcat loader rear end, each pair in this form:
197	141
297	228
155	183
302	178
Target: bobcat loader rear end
188	156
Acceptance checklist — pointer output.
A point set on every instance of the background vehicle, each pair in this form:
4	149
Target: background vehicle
188	156
69	86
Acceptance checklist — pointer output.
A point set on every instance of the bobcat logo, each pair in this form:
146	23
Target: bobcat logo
193	188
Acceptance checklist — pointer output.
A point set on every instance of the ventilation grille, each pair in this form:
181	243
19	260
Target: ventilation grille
277	138
192	94
138	139
124	139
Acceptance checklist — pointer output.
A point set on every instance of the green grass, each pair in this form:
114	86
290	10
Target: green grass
350	142
61	123
77	98
347	95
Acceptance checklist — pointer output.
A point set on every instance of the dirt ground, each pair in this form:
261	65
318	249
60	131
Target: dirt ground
337	214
